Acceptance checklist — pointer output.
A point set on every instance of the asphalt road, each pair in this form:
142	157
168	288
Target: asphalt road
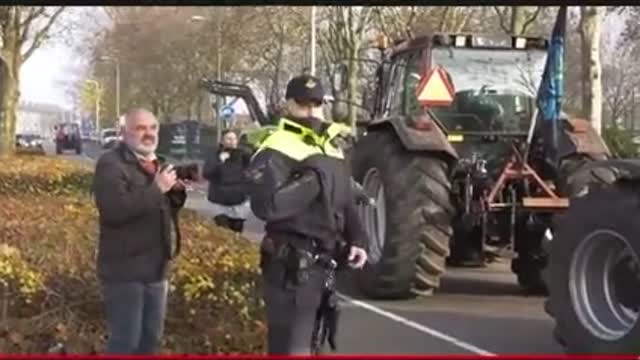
477	311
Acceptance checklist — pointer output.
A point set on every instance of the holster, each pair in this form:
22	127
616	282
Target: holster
298	262
298	266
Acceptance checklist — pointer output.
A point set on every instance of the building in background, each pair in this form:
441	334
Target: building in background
35	118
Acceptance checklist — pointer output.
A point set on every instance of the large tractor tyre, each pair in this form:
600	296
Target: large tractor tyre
575	179
594	273
410	226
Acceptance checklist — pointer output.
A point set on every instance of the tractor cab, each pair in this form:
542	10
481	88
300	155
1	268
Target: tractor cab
483	84
464	84
495	82
478	91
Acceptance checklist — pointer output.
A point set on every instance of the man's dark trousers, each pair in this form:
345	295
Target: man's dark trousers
135	313
290	311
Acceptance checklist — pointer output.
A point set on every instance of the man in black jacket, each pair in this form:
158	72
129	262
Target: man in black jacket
301	188
138	200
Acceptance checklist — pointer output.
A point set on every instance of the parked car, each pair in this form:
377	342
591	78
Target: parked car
109	136
29	143
68	138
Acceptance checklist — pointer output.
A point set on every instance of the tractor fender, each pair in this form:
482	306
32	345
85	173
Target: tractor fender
432	140
579	137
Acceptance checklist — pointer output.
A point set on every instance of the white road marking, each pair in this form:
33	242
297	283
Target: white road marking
416	326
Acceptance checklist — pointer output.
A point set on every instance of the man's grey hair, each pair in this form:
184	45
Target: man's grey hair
133	112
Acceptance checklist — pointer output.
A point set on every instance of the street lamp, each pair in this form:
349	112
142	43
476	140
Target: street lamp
116	61
98	92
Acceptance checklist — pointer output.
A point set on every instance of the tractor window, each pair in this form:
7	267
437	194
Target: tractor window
405	78
411	80
495	89
394	106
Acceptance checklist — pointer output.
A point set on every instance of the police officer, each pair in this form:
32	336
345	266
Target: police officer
301	188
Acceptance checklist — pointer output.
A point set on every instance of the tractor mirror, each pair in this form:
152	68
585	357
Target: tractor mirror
339	81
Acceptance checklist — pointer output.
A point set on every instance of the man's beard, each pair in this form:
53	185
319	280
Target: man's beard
145	150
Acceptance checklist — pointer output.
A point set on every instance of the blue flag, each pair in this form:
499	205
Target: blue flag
551	91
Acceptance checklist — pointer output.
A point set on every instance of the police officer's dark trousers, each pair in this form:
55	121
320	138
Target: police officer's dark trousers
290	308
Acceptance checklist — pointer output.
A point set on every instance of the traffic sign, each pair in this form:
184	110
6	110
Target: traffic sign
227	112
435	89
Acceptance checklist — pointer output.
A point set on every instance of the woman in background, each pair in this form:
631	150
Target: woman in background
225	171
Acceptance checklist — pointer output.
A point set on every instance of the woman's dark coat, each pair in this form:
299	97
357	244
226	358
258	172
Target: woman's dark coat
227	180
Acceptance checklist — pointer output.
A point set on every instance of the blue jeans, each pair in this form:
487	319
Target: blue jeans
135	315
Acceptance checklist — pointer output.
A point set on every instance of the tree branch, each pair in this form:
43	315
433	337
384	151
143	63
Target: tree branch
501	16
33	14
25	25
42	34
443	19
412	15
530	20
381	22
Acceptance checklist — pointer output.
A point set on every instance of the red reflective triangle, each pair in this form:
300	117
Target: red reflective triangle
435	89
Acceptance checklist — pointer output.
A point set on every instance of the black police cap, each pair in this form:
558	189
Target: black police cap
305	88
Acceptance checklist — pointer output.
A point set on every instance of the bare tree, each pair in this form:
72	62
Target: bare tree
517	20
23	29
620	82
632	26
396	22
590	29
341	41
281	55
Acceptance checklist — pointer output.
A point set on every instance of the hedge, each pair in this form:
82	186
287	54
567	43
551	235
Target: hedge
48	287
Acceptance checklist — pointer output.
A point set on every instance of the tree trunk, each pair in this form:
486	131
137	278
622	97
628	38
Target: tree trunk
353	87
518	16
9	93
590	24
275	84
632	125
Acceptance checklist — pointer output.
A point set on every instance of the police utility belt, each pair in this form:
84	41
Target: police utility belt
298	260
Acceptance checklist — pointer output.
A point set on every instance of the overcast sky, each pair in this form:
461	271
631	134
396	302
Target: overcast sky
44	73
